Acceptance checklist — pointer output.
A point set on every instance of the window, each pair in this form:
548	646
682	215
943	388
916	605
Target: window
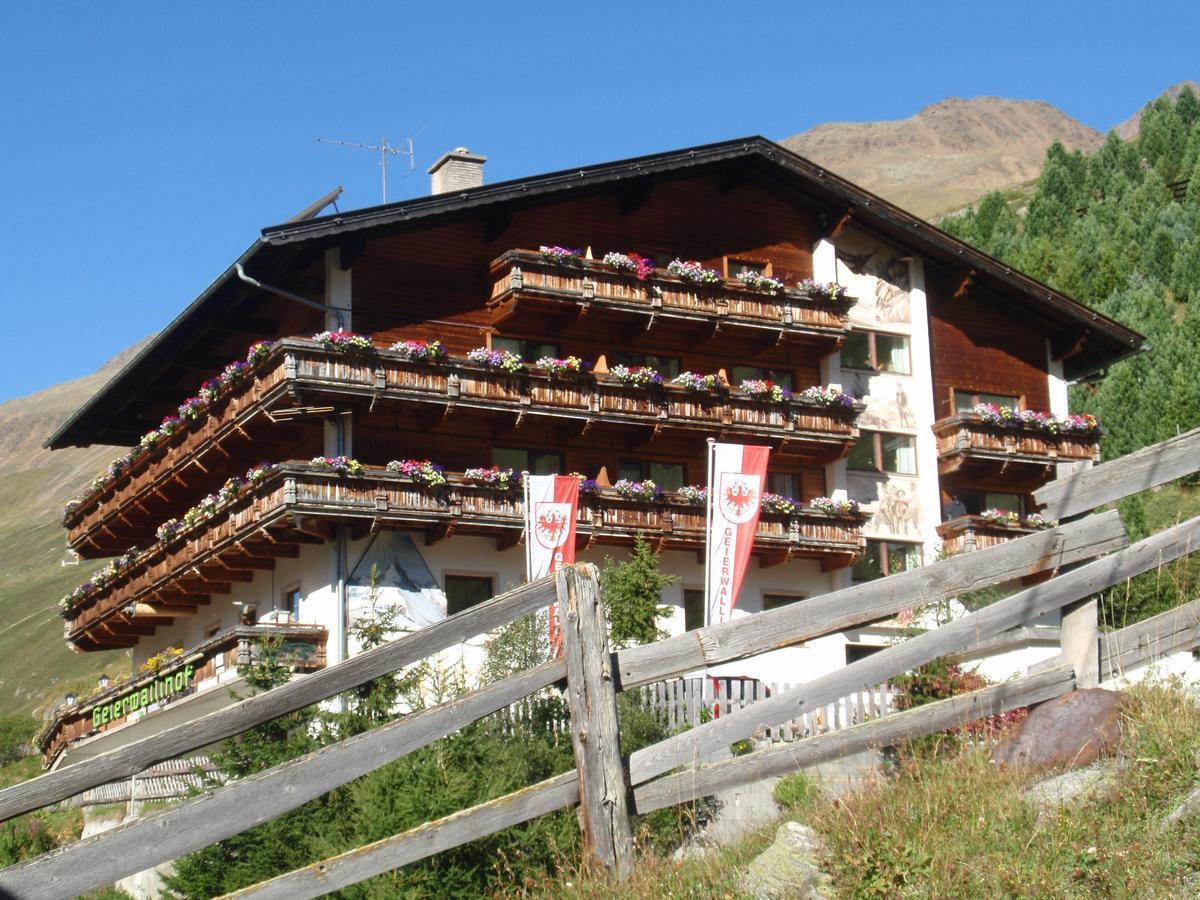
784	483
666	366
528	349
774	601
693	608
876	352
291	602
532	461
886	558
735	267
782	377
465	591
965	400
668	476
855	652
879	451
975	502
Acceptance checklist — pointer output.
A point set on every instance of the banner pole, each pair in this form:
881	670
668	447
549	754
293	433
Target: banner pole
525	525
708	526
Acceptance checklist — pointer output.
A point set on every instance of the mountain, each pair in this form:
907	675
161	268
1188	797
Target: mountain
1129	128
947	155
35	663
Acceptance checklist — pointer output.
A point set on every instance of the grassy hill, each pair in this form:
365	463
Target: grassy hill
36	665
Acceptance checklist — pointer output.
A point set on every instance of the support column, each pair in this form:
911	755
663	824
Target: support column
928	483
1081	641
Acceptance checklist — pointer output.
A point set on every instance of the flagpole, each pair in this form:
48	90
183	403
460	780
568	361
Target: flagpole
708	527
525	526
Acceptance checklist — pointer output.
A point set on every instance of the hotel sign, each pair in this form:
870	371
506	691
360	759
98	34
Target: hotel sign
161	688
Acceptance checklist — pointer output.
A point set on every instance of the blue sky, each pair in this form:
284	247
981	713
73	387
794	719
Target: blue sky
144	145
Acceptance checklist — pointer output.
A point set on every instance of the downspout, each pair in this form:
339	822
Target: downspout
341	600
295	298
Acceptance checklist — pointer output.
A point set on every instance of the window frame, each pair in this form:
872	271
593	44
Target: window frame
976	396
490	577
769	600
876	437
684	596
873	352
764	373
524	341
285	603
644	467
728	263
530	466
885	545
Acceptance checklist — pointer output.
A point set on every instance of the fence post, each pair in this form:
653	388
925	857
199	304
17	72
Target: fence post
595	735
1081	641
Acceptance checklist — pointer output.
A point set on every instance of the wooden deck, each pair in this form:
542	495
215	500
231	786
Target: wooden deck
299	503
966	533
973	449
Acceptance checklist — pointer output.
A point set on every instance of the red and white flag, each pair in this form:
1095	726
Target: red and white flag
551	508
737	475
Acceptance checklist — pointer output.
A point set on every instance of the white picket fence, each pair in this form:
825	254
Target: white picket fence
684	702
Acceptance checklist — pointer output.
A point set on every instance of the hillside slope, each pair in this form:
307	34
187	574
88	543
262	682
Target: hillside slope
1131	126
947	155
35	662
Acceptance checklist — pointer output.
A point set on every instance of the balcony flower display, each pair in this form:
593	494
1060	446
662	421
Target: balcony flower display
192	408
343	465
824	396
1037	520
344	342
694	381
210	390
495	477
757	281
779	504
167	530
842	509
560	254
257	474
258	351
765	389
1002	517
501	360
421	351
161	659
569	367
692	494
646	491
98	580
422	471
829	290
692	271
1033	420
640	266
587	486
637	376
234	371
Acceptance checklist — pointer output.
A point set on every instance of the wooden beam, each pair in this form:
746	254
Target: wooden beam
965	280
834	224
241	804
1110	481
595	735
1151	639
314	687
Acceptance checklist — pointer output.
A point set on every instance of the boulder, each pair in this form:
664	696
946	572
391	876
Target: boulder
1067	787
1069	731
788	868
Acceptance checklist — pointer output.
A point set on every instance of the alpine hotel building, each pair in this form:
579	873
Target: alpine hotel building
738	260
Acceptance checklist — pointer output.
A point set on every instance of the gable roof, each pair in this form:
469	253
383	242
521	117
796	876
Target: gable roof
101	420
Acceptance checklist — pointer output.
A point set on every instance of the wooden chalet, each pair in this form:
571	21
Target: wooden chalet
921	334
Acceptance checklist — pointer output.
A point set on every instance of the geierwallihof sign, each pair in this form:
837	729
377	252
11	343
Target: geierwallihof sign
551	508
161	688
736	476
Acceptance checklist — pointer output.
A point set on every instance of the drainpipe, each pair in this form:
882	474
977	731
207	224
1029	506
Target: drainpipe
295	298
342	604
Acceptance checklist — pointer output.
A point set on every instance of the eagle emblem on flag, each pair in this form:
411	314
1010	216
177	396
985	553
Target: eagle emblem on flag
738	495
552	524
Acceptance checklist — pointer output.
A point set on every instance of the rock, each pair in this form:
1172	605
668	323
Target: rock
1059	790
789	867
1188	807
1070	731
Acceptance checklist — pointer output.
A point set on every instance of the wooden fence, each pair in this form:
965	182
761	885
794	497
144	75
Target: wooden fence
606	787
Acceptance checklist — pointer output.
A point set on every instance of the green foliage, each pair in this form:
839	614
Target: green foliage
15	735
796	793
632	593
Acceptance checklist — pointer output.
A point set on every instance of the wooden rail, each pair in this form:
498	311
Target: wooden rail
109	520
244	803
965	534
205	558
523	280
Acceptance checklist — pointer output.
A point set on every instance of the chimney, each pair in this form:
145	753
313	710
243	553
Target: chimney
456	171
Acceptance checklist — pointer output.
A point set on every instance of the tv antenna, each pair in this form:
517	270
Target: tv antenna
385	150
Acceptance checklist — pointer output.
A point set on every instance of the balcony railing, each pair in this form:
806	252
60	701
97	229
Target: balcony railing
524	279
297	502
123	512
202	668
966	533
965	438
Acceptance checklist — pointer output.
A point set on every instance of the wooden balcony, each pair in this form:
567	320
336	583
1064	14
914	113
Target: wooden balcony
526	287
202	668
299	503
972	451
966	533
195	459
